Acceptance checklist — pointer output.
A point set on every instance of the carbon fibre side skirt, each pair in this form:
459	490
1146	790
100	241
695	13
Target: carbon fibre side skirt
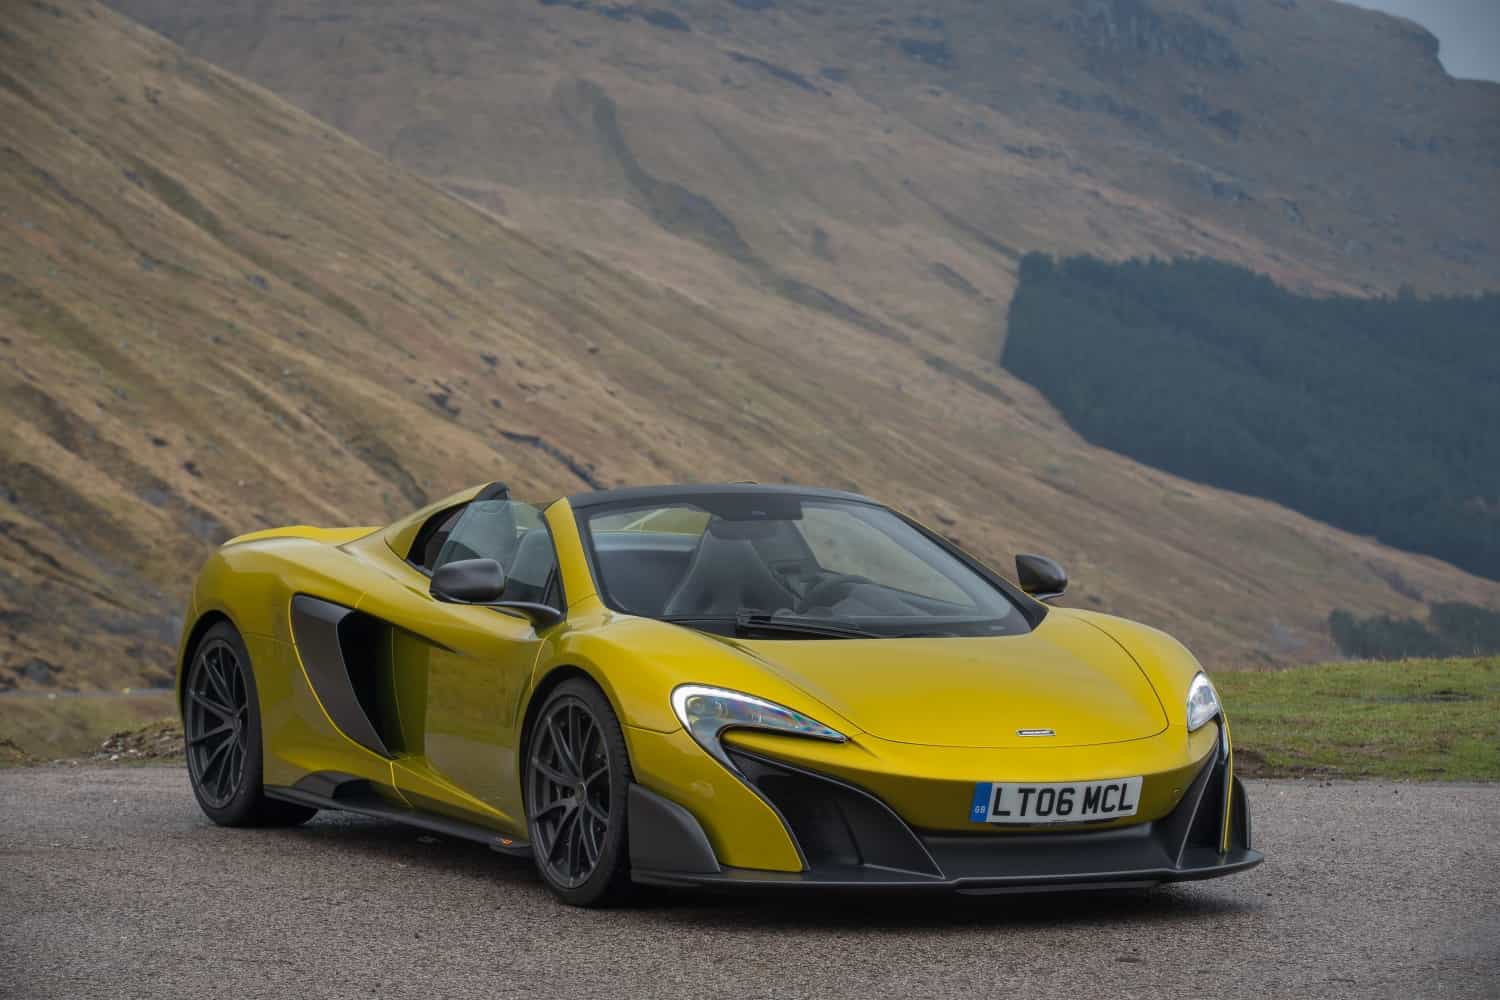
347	793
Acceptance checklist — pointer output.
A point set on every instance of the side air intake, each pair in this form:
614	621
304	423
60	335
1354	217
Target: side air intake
338	648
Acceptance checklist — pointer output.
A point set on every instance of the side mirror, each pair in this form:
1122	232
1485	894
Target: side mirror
1041	577
480	582
468	581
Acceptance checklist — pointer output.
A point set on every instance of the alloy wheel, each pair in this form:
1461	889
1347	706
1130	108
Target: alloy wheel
217	723
568	791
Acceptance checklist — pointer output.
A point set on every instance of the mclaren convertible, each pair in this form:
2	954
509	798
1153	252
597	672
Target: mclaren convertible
729	686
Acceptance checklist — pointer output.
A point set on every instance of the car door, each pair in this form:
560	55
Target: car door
461	671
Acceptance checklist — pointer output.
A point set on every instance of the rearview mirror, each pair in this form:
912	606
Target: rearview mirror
468	581
1041	577
743	531
479	583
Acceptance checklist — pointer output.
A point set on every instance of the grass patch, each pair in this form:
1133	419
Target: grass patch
1427	720
38	728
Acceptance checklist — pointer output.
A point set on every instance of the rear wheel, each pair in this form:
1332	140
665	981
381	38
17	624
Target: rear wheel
221	726
577	780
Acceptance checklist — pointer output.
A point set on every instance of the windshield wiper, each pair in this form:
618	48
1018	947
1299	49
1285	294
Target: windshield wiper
753	621
807	626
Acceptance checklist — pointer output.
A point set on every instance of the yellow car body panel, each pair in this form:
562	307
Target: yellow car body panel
986	691
925	720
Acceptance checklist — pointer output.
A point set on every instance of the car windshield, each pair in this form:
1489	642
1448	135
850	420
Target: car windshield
786	566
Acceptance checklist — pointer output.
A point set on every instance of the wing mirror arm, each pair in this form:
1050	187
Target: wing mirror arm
478	583
541	615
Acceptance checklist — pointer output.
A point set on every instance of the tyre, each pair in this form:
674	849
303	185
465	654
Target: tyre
221	729
577	780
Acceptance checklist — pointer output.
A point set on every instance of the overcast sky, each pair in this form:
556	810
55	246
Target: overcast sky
1469	31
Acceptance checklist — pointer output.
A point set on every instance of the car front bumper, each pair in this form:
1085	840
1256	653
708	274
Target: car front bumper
850	840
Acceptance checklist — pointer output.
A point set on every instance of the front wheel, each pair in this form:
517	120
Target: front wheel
577	780
221	725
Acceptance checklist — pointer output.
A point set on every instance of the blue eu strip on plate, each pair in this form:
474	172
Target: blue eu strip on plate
981	808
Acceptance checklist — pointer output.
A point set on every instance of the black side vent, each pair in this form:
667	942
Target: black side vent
836	825
338	648
359	643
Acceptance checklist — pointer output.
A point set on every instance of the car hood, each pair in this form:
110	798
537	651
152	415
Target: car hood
1066	675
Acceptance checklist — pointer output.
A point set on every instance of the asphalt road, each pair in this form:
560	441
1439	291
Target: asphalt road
112	884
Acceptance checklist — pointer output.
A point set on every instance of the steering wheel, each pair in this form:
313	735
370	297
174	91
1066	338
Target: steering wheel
829	589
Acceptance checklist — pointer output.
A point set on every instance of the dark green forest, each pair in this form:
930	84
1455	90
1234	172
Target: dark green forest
1452	628
1380	416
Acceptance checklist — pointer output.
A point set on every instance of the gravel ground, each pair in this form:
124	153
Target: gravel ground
112	884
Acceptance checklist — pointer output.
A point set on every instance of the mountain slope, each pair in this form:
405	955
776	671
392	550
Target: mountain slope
896	158
217	314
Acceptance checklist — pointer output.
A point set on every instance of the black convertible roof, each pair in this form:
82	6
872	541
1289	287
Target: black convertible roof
649	494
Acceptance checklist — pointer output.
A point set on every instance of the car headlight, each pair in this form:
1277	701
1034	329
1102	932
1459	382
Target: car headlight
1202	702
707	711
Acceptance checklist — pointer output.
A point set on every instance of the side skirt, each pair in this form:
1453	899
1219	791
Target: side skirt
354	795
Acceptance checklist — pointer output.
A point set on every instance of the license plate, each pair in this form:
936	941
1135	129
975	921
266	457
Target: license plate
1068	802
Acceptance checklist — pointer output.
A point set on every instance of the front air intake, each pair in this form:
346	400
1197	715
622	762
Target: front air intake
835	824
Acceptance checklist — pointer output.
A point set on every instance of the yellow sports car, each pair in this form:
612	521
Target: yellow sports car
733	686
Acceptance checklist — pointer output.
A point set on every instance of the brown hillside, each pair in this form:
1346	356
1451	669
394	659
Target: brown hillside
217	313
894	158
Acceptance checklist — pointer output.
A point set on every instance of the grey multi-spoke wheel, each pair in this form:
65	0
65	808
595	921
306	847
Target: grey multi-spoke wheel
214	723
577	778
221	726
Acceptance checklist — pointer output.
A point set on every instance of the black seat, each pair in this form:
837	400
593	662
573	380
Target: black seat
725	576
640	580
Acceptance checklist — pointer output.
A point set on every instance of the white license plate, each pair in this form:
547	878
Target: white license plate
1067	802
